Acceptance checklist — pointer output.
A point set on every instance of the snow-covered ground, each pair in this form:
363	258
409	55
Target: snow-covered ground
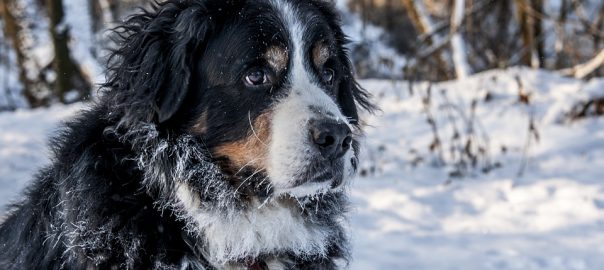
409	212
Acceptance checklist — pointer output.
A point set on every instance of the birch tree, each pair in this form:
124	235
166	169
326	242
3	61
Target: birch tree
16	30
423	24
460	59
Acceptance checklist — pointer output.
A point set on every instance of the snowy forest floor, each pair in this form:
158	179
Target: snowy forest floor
540	206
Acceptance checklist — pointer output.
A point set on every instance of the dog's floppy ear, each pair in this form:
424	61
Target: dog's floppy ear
151	71
351	94
184	37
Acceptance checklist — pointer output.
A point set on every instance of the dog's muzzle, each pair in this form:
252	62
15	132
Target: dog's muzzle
331	143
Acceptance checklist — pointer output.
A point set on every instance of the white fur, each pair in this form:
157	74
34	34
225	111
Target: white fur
187	263
290	149
265	228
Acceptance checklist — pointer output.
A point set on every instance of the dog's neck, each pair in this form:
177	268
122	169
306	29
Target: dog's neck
229	228
260	231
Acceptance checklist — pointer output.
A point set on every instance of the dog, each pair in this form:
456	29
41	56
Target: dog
224	138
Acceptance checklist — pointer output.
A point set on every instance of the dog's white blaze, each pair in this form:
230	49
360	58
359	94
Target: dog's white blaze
289	147
261	230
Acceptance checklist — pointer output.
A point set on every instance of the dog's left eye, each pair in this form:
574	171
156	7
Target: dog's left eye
256	77
327	75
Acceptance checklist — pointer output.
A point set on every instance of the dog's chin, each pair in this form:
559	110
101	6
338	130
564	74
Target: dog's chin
314	187
308	190
319	178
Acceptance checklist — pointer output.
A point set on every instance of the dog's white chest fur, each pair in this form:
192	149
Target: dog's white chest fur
264	229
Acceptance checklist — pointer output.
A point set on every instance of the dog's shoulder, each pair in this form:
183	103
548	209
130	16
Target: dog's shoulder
87	208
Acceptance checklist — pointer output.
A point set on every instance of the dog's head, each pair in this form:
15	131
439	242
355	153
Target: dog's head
266	85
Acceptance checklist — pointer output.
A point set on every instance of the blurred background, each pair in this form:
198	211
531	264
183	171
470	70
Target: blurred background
487	153
432	40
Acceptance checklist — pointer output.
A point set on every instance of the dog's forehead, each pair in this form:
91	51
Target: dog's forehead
304	23
271	31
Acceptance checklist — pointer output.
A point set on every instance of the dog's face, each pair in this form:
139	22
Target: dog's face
273	100
266	85
265	88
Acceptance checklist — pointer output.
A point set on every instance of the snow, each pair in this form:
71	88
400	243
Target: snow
416	217
408	211
23	146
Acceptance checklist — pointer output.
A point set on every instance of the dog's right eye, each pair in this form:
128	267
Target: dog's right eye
256	78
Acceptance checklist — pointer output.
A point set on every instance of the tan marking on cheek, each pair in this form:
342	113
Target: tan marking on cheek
200	125
251	151
320	54
277	57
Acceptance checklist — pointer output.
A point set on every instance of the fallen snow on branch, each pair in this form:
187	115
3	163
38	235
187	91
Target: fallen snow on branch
582	70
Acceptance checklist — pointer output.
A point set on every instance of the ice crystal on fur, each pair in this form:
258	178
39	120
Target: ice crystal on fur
133	186
230	228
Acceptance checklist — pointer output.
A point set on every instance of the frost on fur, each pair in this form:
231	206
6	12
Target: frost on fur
228	226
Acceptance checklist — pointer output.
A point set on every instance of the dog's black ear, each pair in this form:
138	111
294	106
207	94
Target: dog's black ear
351	95
346	98
151	71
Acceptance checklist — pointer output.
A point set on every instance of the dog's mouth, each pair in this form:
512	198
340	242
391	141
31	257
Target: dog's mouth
320	177
301	172
323	172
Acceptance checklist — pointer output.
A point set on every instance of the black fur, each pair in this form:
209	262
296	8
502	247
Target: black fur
107	199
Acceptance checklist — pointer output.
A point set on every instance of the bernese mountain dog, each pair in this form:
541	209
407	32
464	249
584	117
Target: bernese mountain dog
223	139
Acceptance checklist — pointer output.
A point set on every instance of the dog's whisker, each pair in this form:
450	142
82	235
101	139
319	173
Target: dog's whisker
248	178
268	199
249	117
262	182
248	164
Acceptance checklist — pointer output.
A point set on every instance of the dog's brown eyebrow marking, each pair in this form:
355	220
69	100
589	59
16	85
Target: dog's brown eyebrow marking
320	53
277	58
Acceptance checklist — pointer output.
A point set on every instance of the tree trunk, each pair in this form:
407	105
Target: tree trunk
526	31
458	46
4	78
561	35
68	73
504	16
12	30
104	12
537	8
423	25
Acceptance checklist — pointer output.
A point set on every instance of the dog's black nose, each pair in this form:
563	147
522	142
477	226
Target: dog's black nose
332	138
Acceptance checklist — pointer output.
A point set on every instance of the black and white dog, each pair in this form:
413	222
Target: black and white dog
223	140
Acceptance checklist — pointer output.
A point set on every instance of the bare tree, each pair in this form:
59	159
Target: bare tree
423	24
583	70
460	59
69	76
13	30
537	14
525	20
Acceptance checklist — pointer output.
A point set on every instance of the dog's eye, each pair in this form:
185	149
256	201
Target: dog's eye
256	77
327	75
